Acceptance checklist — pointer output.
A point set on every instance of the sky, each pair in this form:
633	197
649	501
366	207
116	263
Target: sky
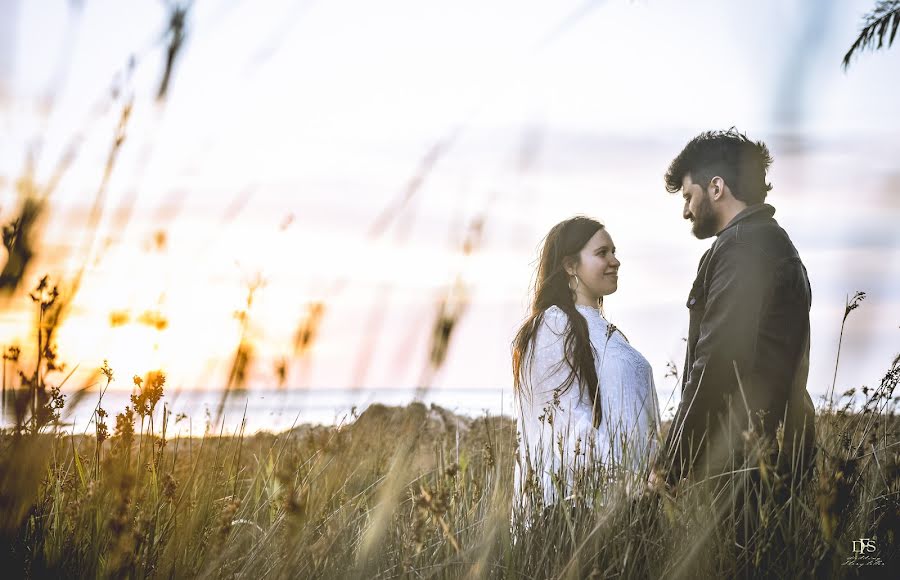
342	152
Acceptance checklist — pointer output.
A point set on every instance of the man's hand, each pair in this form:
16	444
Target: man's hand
656	483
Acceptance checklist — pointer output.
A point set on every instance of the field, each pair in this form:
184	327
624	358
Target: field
401	153
418	492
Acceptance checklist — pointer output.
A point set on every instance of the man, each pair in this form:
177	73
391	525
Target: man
748	344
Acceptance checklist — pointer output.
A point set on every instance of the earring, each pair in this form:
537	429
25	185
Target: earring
577	282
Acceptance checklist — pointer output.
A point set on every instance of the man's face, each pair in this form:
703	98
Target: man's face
698	208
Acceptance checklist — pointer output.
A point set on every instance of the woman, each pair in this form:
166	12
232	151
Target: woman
585	394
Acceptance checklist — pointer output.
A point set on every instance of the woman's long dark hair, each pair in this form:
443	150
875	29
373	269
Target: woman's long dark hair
551	288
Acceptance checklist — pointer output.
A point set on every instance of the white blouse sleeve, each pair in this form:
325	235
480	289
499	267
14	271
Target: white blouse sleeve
551	428
649	418
547	370
630	414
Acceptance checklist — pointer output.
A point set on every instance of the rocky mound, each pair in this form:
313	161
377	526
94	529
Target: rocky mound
422	437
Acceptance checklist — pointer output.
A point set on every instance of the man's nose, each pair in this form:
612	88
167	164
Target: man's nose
615	262
685	213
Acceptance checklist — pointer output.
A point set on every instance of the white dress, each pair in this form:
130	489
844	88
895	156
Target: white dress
556	428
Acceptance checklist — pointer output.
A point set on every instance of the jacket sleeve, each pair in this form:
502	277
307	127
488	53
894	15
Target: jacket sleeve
737	286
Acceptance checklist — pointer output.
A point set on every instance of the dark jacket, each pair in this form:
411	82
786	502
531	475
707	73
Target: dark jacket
747	350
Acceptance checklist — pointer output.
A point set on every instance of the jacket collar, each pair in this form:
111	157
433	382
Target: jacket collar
761	210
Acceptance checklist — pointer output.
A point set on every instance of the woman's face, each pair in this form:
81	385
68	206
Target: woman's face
597	269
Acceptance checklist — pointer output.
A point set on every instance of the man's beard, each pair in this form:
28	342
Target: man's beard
704	225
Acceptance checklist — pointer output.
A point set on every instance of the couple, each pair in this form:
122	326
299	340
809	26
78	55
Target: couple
586	395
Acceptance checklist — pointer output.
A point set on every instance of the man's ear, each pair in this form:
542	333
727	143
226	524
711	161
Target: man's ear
717	188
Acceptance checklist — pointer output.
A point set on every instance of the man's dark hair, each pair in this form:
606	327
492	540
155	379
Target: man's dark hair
730	155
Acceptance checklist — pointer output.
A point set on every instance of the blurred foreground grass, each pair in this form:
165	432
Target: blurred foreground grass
416	492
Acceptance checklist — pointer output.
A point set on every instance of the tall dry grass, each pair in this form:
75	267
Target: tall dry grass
419	493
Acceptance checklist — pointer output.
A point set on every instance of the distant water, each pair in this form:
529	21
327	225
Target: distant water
277	410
